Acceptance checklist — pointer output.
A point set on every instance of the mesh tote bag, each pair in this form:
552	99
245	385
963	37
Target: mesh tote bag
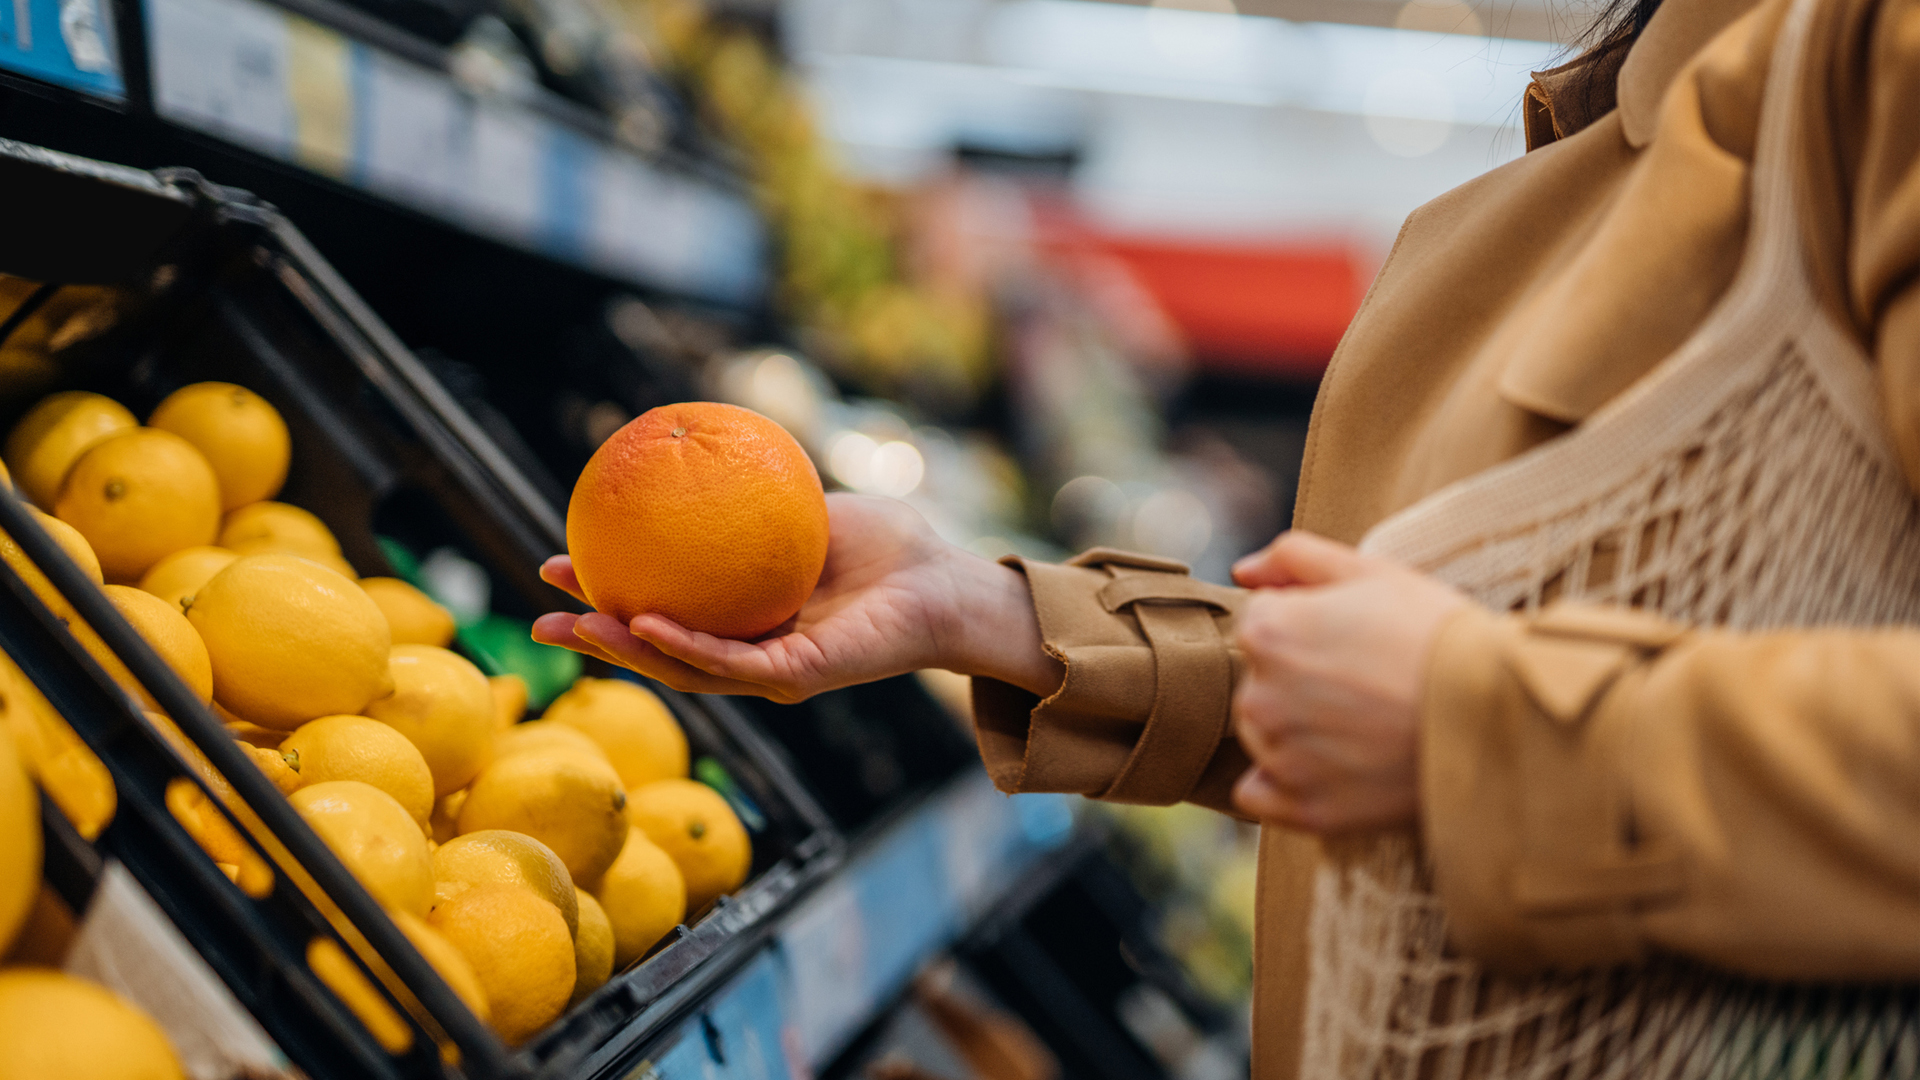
1746	482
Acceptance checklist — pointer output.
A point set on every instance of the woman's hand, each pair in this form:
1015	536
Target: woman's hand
1335	645
893	598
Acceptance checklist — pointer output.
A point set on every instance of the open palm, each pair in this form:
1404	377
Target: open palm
882	607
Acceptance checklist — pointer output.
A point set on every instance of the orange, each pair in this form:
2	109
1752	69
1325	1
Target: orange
709	514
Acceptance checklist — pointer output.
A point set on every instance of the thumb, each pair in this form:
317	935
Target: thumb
1300	558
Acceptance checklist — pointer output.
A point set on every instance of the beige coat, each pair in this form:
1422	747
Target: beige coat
1785	767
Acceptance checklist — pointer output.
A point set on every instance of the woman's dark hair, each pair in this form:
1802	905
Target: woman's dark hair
1619	21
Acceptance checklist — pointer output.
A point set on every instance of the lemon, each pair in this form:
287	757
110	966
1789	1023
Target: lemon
273	526
357	748
509	699
696	827
54	755
70	541
241	435
290	641
445	959
375	837
251	734
53	1026
441	703
180	575
499	857
644	896
568	802
170	634
446	816
358	993
412	614
138	497
19	841
630	723
592	948
52	436
538	736
76	548
520	950
278	767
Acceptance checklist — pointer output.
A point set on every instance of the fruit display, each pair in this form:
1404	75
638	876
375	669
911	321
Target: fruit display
528	859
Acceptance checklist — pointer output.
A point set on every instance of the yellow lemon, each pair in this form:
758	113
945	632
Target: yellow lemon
19	841
54	756
520	950
414	617
568	802
47	441
509	699
70	541
180	575
241	435
138	497
537	736
170	634
375	837
446	960
644	897
592	948
290	641
358	748
76	548
630	723
251	734
694	825
273	526
441	703
55	1025
279	767
446	816
499	857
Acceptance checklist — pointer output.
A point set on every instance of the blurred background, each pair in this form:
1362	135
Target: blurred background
1059	273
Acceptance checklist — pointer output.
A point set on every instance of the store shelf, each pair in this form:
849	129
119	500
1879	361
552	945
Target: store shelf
847	951
305	93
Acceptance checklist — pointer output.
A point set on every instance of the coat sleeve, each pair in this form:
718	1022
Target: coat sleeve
1598	784
1142	715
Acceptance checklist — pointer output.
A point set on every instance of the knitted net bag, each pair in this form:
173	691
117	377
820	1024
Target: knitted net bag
1746	482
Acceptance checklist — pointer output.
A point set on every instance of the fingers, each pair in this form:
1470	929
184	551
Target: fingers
1301	558
618	645
558	572
556	628
723	657
1259	795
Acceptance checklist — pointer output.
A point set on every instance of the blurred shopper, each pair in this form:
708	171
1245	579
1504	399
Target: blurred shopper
1599	754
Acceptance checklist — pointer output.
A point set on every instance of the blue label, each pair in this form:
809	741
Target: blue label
66	42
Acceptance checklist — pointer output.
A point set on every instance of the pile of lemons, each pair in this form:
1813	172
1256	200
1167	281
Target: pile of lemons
527	859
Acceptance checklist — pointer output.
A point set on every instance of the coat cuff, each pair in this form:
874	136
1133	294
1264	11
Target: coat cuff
1142	714
1526	800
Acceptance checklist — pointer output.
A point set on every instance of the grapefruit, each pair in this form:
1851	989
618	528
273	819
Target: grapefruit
709	514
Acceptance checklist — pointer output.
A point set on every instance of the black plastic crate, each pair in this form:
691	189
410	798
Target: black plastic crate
223	287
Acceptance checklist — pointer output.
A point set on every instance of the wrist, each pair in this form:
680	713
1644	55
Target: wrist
992	631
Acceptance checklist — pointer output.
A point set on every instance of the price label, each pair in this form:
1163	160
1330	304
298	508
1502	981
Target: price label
221	66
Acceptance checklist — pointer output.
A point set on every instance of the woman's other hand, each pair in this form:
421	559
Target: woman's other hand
893	598
1335	646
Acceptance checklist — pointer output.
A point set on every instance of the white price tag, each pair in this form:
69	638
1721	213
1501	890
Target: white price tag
504	160
221	66
414	134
